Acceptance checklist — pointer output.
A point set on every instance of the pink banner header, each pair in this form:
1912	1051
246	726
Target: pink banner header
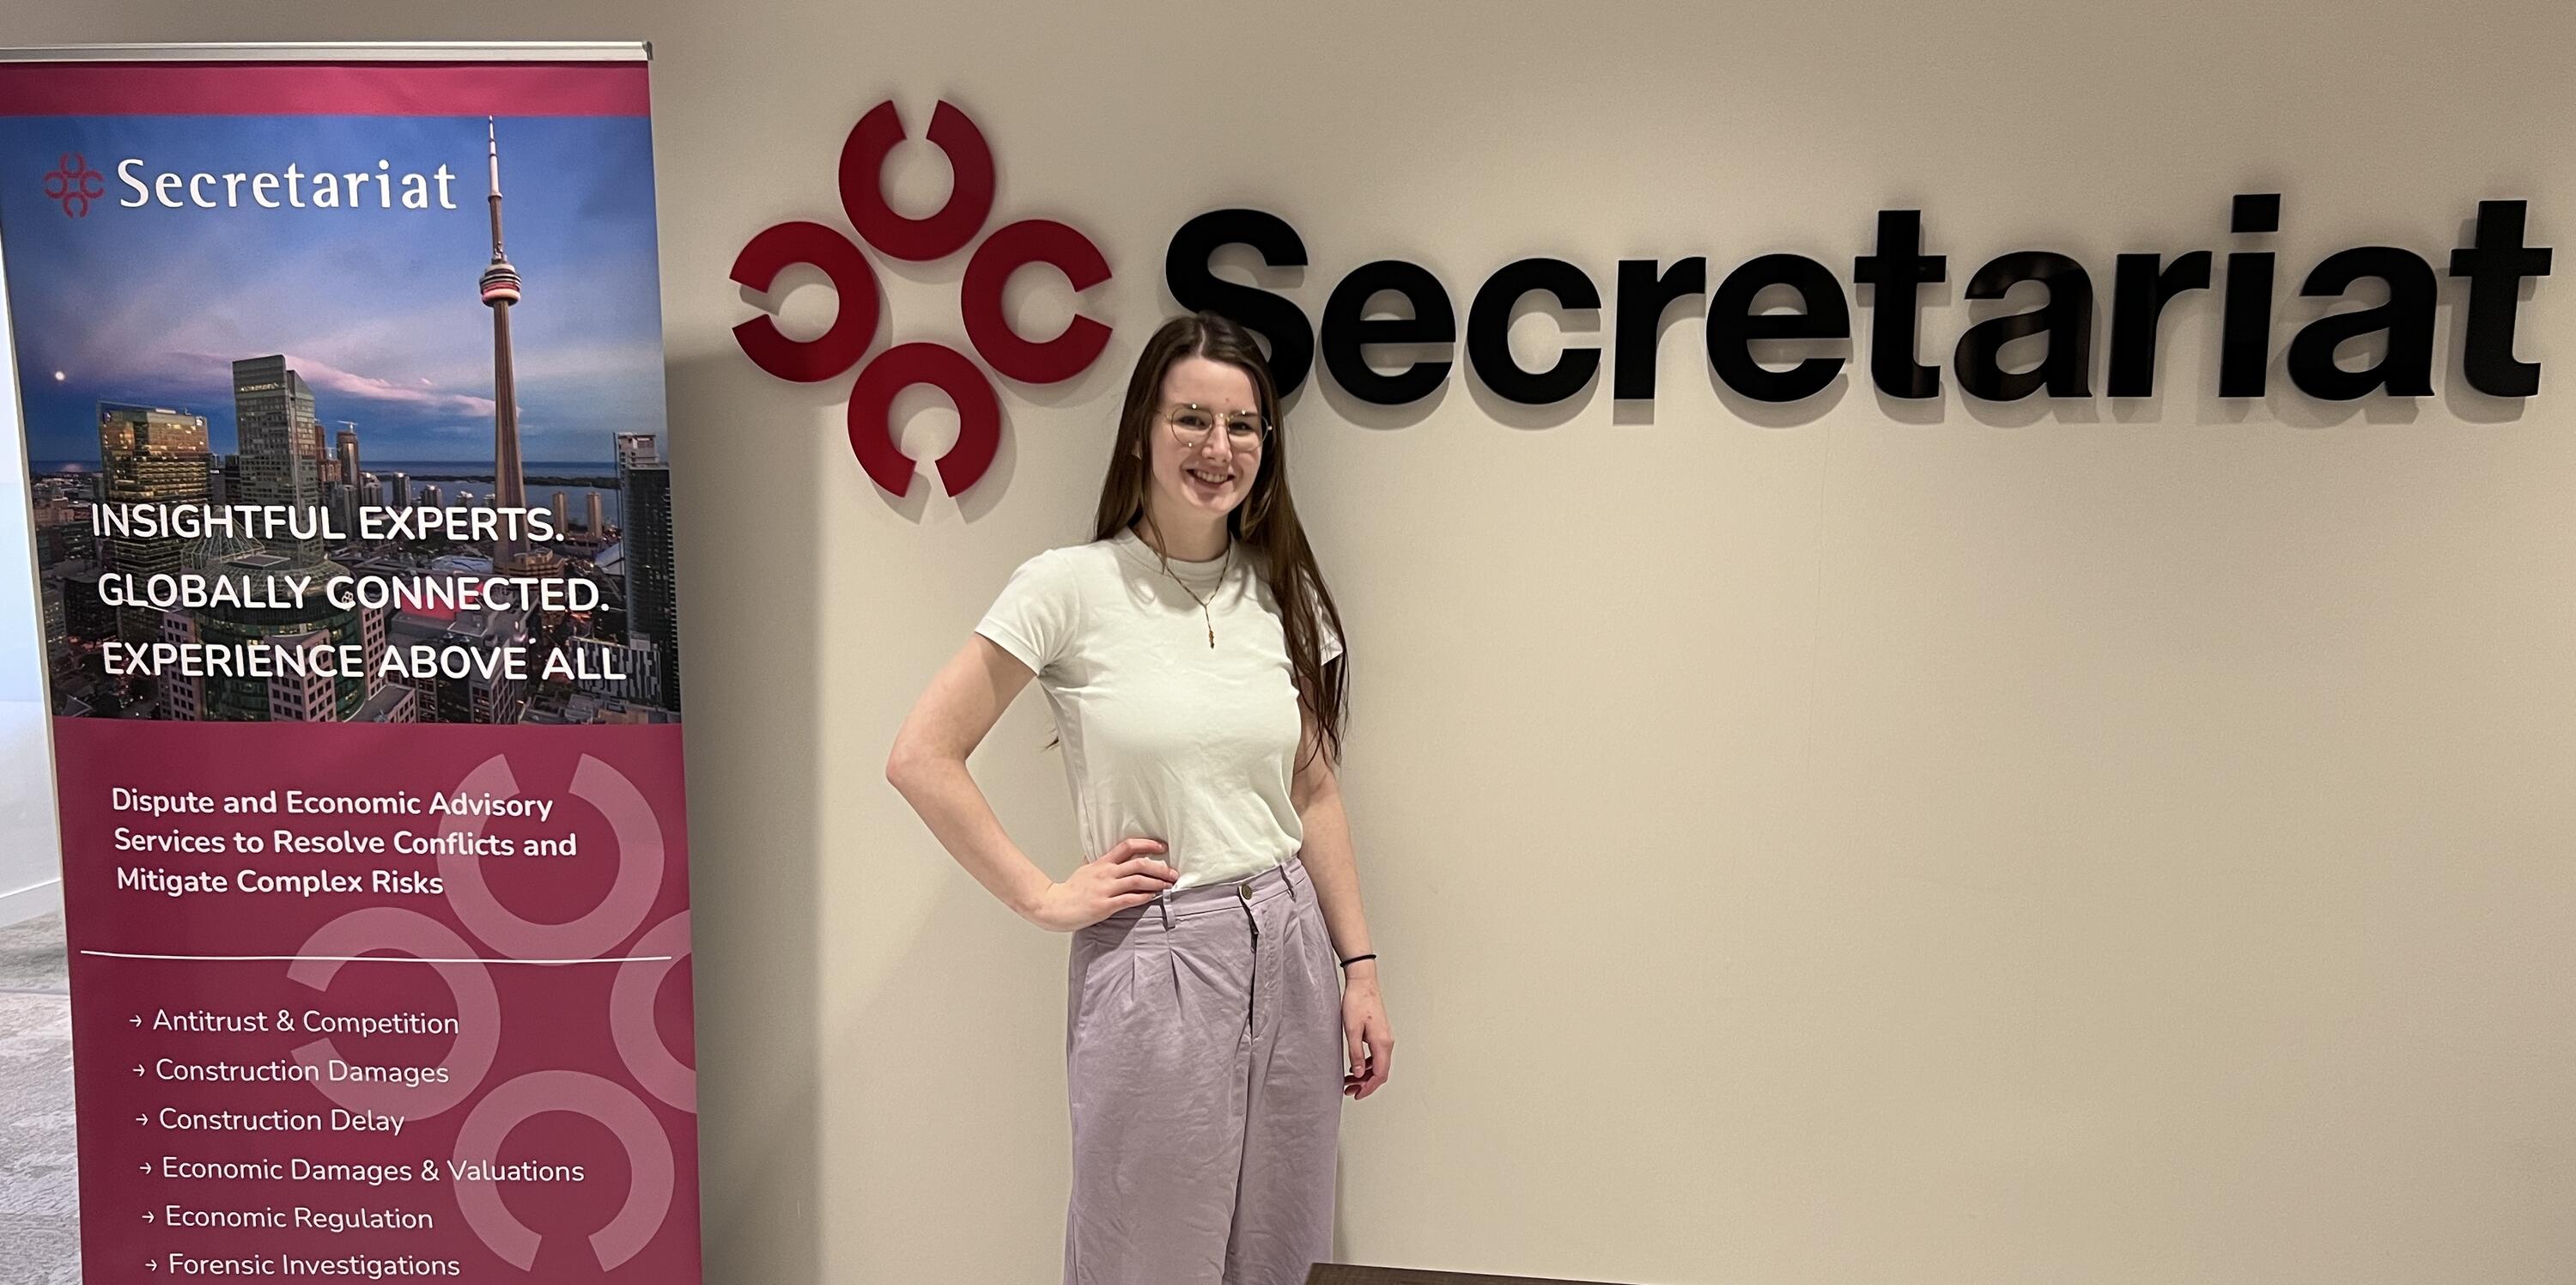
324	89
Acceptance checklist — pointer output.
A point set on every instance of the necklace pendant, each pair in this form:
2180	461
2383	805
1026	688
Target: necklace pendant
1211	636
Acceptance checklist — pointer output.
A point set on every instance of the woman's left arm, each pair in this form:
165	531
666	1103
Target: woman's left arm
1317	795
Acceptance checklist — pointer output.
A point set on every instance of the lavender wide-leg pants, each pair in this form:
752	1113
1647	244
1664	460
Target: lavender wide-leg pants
1203	1051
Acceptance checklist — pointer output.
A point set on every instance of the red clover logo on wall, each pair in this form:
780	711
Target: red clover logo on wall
839	349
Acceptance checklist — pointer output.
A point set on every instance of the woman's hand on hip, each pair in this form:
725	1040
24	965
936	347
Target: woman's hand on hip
1121	877
1368	1035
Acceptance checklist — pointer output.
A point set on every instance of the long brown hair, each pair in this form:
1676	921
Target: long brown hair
1265	523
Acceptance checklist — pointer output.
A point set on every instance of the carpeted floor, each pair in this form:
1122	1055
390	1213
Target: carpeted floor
39	1234
31	958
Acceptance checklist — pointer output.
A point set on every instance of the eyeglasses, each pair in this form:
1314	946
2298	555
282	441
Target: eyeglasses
1245	431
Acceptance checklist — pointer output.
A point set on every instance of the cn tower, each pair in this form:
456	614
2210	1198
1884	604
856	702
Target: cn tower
500	282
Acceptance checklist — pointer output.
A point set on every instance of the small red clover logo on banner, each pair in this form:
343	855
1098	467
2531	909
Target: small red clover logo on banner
75	184
988	270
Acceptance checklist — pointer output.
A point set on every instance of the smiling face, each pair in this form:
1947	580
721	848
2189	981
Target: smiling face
1194	488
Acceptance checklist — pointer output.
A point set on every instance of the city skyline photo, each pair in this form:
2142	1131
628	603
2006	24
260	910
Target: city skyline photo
284	315
375	307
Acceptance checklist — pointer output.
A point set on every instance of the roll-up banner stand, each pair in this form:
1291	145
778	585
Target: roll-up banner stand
341	377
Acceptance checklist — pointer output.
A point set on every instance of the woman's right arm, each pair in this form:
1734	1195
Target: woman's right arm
928	767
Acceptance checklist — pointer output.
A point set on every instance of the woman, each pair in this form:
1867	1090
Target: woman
1223	996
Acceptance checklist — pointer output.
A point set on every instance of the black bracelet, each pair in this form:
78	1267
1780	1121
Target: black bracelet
1355	959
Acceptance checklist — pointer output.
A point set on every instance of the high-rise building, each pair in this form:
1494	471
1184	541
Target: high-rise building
481	695
624	671
562	514
182	695
88	620
391	703
63	533
593	523
58	639
149	456
398	492
652	574
311	621
347	446
352	478
280	447
431	498
296	692
372	625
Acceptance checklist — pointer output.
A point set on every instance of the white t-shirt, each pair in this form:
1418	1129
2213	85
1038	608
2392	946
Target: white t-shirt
1164	736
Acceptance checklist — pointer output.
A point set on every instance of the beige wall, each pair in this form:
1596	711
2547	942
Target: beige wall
1995	847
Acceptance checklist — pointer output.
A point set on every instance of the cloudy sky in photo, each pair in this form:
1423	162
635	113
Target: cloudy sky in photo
377	308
